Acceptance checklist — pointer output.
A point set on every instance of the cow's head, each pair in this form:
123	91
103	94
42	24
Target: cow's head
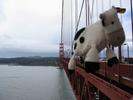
112	26
110	17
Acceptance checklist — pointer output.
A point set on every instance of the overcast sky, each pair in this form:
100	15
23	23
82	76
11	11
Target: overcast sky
32	27
29	26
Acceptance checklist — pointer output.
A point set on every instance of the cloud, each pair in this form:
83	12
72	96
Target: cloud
34	25
30	25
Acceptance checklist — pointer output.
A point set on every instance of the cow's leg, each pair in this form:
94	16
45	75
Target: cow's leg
112	59
92	60
71	64
81	60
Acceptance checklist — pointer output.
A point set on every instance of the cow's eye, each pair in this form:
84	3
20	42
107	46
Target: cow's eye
112	22
82	39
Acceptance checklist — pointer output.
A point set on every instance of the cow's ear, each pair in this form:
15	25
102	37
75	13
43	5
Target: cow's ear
102	17
119	10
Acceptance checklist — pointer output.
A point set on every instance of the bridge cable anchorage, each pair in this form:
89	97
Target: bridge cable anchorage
80	15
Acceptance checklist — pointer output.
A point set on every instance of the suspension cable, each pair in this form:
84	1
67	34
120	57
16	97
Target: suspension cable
121	14
86	9
87	12
92	10
71	36
62	21
110	3
80	15
76	14
102	6
131	18
97	9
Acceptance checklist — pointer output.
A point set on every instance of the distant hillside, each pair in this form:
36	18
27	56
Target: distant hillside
31	61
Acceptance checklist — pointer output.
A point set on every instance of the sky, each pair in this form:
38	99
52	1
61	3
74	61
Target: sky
29	27
32	27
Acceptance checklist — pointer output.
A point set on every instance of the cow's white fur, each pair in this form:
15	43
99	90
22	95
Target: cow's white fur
97	37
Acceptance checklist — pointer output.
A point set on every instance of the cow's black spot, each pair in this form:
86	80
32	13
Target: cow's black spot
82	39
75	45
72	53
78	33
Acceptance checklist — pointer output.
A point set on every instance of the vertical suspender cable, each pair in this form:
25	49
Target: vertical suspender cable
80	15
97	9
120	6
76	14
131	18
76	20
110	3
102	6
62	20
119	48
86	11
91	15
71	36
92	10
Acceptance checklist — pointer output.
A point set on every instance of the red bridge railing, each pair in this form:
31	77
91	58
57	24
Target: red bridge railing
114	83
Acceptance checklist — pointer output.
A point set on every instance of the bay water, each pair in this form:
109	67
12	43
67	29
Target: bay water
34	83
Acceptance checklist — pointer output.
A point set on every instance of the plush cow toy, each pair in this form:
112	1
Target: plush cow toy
105	33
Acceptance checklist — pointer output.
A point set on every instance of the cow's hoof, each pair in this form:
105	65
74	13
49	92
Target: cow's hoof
81	60
112	61
92	67
70	71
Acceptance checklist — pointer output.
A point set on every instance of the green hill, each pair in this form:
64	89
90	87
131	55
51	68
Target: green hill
31	61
